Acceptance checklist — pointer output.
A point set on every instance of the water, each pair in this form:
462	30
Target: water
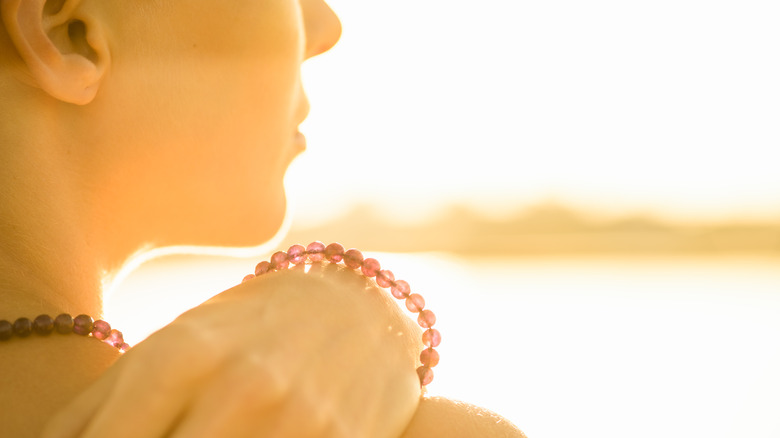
609	347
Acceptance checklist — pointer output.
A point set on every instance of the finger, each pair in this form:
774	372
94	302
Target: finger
321	404
71	421
241	402
151	391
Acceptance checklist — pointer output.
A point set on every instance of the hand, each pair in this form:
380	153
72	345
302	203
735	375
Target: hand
288	354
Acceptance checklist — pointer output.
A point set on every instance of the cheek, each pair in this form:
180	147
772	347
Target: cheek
225	85
237	85
201	124
273	27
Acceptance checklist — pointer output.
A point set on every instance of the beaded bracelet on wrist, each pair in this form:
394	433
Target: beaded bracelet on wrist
83	325
353	259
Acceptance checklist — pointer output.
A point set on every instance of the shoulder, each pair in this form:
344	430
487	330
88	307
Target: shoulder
437	416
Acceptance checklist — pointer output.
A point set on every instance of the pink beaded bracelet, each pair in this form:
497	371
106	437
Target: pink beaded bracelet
353	259
44	325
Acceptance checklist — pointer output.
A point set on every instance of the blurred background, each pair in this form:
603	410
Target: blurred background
587	194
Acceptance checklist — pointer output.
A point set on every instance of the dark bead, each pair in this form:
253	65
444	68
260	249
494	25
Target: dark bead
101	329
22	327
83	325
43	325
63	323
6	330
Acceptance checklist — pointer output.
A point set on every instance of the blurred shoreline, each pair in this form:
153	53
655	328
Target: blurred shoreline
544	229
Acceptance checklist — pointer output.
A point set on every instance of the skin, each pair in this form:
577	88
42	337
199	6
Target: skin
170	102
151	123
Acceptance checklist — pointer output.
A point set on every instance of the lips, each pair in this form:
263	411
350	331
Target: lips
303	108
303	111
300	141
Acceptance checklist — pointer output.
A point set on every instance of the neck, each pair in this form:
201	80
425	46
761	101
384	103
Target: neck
33	288
48	267
50	262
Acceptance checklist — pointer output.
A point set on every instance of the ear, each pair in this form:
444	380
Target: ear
62	44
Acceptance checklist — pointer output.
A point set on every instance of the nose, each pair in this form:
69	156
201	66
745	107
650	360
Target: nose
323	28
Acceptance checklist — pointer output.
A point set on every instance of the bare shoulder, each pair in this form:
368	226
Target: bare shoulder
441	417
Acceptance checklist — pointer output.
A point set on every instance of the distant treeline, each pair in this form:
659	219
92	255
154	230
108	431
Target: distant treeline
544	229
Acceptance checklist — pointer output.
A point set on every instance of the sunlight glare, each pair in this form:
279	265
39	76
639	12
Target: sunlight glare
668	107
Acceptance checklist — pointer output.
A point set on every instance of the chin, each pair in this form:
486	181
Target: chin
232	223
255	225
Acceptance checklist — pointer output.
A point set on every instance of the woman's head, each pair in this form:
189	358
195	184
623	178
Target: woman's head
168	122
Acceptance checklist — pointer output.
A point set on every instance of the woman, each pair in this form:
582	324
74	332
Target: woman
142	124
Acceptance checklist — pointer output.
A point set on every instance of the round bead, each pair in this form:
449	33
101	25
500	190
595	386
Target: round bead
247	278
6	330
429	357
115	338
101	329
43	325
370	267
22	327
334	252
431	338
415	303
279	260
385	278
426	319
353	258
63	323
296	254
316	251
83	325
425	374
400	289
262	268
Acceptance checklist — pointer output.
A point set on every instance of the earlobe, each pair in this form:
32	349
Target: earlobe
63	47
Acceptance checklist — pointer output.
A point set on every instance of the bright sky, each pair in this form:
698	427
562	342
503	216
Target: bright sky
670	107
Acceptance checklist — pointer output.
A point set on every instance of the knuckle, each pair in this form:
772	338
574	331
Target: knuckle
173	357
257	384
